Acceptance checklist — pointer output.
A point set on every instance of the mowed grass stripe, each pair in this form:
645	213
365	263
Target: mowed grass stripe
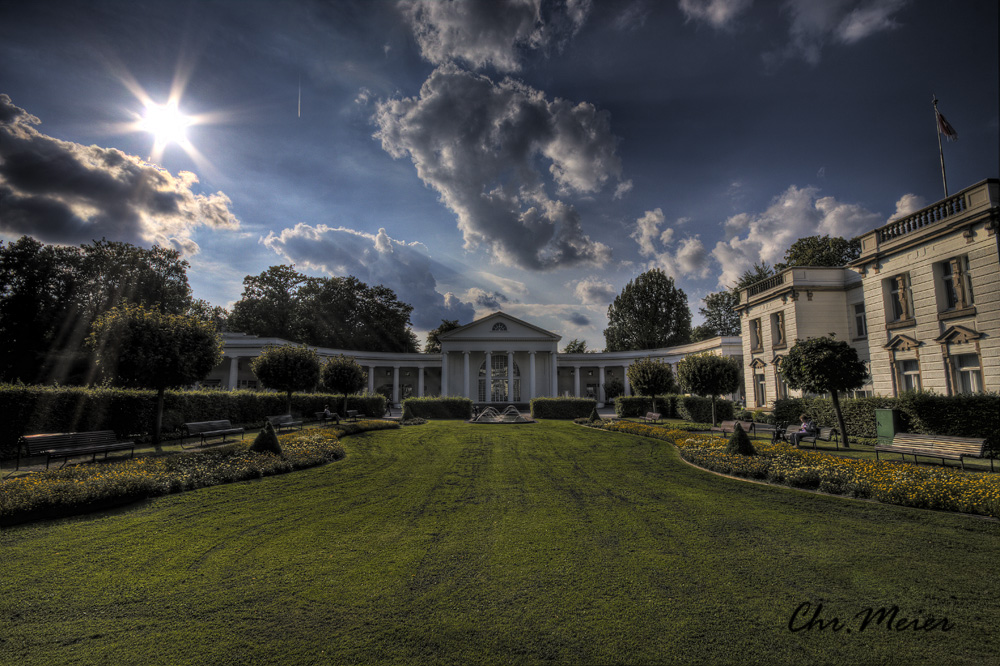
454	543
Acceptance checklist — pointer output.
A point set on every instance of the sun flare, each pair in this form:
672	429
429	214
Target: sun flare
166	123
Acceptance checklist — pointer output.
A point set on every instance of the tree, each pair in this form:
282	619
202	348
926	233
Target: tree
751	276
339	312
739	443
268	306
51	296
613	388
820	365
709	375
650	313
433	343
287	368
575	346
342	375
821	251
721	317
651	377
142	347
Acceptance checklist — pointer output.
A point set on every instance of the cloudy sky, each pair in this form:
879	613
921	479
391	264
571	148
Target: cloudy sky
523	155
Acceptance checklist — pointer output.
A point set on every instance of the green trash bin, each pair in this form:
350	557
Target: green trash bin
887	424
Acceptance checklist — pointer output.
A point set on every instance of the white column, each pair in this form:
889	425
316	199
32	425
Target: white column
444	373
395	384
420	382
555	374
371	378
489	377
510	376
576	380
628	388
234	372
600	388
531	376
465	376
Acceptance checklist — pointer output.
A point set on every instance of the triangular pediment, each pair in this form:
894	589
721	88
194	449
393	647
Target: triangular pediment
902	343
499	326
777	361
758	363
958	335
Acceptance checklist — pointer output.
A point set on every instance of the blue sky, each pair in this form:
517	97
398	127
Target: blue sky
528	156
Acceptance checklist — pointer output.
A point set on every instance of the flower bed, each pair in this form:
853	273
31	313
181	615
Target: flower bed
91	486
900	483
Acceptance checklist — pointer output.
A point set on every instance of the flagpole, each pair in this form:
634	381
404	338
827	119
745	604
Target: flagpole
937	125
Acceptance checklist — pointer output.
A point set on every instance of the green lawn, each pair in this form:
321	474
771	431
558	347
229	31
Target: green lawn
457	543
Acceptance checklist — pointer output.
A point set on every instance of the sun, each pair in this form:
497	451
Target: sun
167	123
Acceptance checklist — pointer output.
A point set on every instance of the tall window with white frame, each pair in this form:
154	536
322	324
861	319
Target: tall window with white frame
760	388
968	373
909	375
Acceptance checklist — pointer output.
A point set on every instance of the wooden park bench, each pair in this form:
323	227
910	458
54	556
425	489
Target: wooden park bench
725	427
323	419
758	429
786	434
68	444
352	415
936	446
207	429
650	417
824	435
284	422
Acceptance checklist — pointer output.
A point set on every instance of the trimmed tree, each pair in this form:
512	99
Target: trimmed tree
144	348
709	375
342	374
287	368
651	378
821	365
739	443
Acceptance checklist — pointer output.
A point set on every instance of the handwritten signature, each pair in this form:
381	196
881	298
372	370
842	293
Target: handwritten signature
810	617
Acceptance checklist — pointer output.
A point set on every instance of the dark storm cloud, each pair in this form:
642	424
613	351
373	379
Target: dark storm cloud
65	192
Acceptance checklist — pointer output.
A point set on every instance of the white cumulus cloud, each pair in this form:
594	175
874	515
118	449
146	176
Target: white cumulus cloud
478	143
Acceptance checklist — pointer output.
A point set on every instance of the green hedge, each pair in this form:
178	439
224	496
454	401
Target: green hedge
562	408
969	415
437	408
687	407
130	412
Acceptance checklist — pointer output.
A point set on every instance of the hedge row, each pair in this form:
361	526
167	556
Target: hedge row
562	408
968	415
687	407
130	412
437	408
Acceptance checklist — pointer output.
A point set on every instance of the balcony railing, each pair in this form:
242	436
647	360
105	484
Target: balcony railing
764	285
922	218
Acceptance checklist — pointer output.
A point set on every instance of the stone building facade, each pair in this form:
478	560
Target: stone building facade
921	304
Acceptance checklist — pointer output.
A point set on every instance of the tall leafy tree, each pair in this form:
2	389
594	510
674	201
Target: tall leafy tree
575	346
268	306
709	375
821	251
720	316
142	347
759	272
650	313
342	374
287	368
821	365
433	342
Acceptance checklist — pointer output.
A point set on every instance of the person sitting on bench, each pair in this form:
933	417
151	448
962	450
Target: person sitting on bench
807	428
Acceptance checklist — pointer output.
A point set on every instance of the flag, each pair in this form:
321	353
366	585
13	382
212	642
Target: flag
944	127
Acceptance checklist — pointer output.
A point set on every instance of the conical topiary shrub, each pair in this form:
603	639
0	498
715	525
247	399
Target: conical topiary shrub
266	441
740	444
594	416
